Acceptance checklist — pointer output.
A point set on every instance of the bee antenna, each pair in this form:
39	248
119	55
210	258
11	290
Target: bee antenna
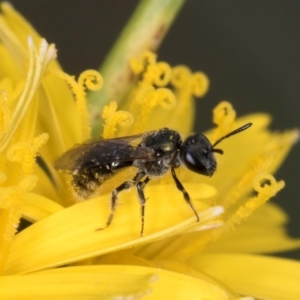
244	127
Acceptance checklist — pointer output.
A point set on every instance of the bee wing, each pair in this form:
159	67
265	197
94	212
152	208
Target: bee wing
103	152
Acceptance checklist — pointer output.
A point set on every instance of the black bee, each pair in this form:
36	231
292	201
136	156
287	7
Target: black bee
153	153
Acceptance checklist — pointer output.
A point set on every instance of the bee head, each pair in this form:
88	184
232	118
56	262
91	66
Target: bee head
197	152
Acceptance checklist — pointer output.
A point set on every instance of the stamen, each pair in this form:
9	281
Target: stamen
90	79
184	85
189	84
9	221
199	84
149	98
180	77
265	192
139	63
224	117
113	118
5	114
39	61
157	74
24	153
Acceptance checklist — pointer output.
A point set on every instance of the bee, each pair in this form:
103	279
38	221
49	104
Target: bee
152	153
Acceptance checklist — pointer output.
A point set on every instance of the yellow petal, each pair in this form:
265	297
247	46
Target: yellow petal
187	245
257	276
92	282
263	232
173	285
182	268
37	207
108	282
9	221
72	235
17	24
39	61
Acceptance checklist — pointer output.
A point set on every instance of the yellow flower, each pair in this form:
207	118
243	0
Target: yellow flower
64	255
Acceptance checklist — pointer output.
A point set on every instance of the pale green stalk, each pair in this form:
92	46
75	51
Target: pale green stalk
145	30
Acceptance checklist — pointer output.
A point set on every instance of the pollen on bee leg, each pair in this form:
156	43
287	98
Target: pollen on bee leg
75	172
84	184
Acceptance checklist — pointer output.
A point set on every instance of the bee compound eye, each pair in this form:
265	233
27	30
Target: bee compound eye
192	163
201	162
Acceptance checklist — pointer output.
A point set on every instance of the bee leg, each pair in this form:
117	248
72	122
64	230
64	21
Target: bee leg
140	189
184	192
114	195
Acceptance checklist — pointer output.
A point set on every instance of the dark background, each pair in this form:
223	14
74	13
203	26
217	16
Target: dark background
249	49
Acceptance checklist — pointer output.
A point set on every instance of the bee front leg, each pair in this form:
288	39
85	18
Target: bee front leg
184	192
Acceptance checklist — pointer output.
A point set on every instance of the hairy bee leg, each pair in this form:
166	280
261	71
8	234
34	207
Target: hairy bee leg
184	192
114	195
140	189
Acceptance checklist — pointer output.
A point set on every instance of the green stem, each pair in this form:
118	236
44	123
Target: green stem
145	30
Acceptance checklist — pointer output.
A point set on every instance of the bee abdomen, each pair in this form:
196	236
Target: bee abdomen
88	178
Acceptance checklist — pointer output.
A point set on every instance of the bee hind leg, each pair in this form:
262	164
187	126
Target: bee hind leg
114	195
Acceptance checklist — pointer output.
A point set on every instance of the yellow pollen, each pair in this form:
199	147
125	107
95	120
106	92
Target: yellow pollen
180	76
90	79
224	117
157	74
28	183
39	60
25	153
11	200
113	118
148	98
161	86
5	114
189	84
154	73
139	63
199	84
9	220
266	186
3	177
